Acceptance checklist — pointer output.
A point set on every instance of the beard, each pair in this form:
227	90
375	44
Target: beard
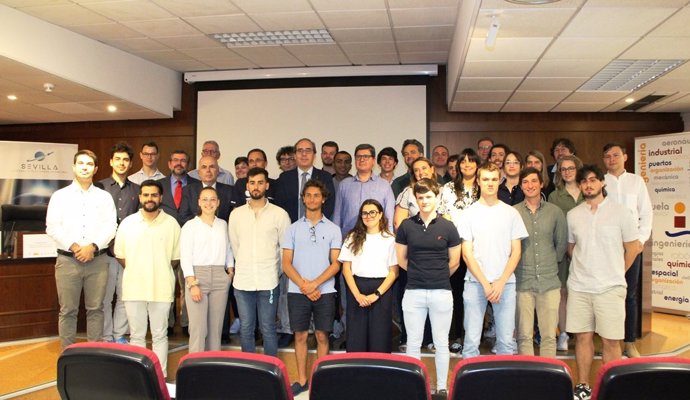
257	195
591	195
151	206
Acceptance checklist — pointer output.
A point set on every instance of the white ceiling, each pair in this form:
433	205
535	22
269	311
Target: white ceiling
543	54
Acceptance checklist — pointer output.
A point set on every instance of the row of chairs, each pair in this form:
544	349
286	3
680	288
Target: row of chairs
115	371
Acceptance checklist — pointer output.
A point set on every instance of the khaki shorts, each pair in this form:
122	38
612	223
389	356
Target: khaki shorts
603	313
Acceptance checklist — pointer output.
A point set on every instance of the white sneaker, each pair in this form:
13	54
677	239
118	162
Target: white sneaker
235	327
562	343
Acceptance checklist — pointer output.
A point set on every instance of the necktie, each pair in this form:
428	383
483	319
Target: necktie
302	181
178	194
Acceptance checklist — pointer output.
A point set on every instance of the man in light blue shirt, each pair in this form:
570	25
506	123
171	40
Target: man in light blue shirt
311	247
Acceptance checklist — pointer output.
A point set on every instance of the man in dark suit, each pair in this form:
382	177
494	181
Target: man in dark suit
208	172
171	200
287	191
172	190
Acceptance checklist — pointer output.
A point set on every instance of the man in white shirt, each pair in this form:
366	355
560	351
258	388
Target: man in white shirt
630	191
147	247
149	170
82	220
210	148
255	230
602	240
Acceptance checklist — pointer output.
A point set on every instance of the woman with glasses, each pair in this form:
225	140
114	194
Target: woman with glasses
405	204
207	264
369	267
566	196
428	247
509	190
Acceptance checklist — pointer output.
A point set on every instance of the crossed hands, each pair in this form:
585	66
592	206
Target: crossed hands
366	300
493	291
310	289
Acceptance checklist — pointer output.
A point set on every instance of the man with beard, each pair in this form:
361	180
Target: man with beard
603	243
255	230
125	194
81	219
256	158
146	245
328	152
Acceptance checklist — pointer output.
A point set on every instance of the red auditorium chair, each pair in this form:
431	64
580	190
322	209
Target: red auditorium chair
663	378
511	377
232	375
361	376
104	371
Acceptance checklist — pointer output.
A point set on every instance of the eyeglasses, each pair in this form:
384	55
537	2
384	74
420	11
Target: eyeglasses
370	214
307	150
209	152
363	157
312	231
287	159
568	169
149	154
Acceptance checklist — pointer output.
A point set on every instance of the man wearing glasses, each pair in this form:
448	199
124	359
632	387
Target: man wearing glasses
210	148
149	169
311	247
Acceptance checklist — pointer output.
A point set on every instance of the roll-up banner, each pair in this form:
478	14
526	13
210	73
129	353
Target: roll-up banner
664	163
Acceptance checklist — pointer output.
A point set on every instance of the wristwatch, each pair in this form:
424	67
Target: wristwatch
377	293
189	285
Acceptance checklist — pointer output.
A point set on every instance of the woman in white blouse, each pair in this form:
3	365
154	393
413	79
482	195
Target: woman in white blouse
369	267
207	264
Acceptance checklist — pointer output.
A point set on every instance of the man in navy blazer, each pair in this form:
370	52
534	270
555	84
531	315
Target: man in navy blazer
208	172
177	163
287	192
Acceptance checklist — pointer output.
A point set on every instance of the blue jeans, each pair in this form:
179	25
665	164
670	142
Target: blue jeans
438	304
504	316
265	303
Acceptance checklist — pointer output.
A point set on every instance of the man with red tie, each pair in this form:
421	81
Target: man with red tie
170	204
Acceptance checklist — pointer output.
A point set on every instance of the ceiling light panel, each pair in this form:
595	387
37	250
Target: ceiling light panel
273	38
629	75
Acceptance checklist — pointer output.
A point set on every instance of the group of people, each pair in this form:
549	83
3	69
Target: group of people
346	256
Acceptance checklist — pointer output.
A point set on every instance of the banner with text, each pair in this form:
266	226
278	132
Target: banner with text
32	171
664	163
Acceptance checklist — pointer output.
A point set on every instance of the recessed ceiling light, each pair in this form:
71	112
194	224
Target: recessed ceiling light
112	108
11	97
629	75
629	100
272	38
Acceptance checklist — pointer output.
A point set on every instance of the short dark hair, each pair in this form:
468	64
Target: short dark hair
317	184
525	172
344	152
150	144
241	159
587	169
328	143
454	157
485	138
563	142
121	147
609	146
407	142
284	150
179	152
425	185
499	146
387	151
151	182
257	150
88	153
366	146
257	171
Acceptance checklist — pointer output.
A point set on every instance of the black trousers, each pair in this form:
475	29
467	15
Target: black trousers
369	328
633	305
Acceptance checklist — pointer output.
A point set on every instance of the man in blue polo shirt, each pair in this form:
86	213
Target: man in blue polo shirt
310	259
